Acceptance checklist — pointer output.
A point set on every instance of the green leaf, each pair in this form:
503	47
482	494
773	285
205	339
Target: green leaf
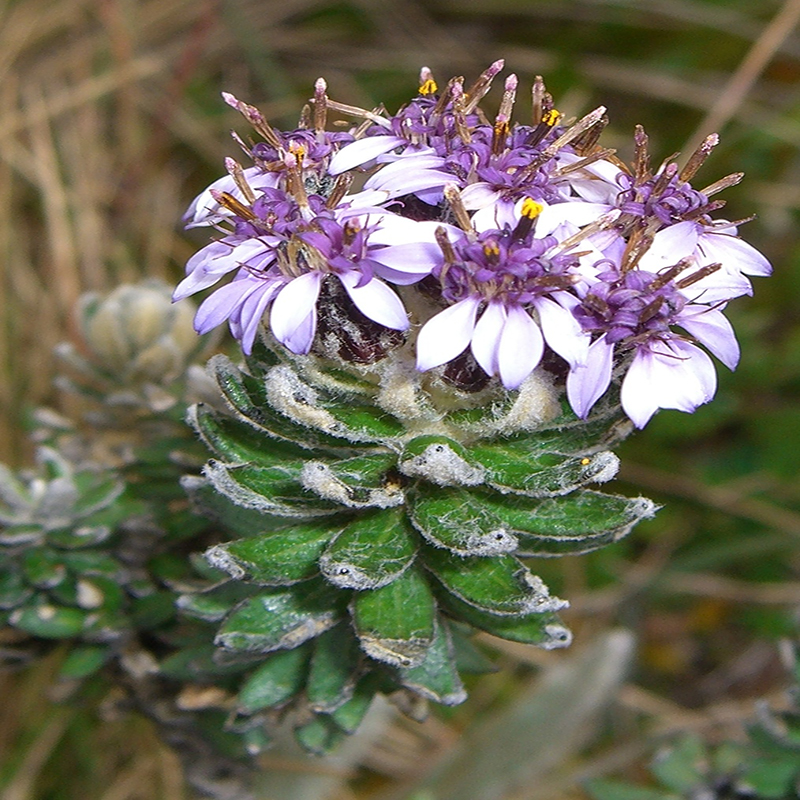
544	630
278	558
215	603
349	715
341	417
440	460
680	767
79	537
320	735
395	623
771	778
500	584
334	669
13	589
200	662
48	621
371	551
95	492
236	442
248	396
208	502
361	482
578	523
95	563
275	681
269	490
602	789
153	610
84	661
456	520
513	467
436	676
277	620
468	656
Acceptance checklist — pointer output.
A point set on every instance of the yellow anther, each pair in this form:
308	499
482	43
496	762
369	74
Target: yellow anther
585	461
429	87
530	208
298	151
491	249
551	117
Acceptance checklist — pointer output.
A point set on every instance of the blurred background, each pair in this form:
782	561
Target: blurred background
111	121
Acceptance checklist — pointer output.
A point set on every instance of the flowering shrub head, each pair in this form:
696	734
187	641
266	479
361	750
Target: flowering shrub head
483	245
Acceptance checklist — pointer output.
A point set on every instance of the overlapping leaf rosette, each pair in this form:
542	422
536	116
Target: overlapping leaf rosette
60	577
446	320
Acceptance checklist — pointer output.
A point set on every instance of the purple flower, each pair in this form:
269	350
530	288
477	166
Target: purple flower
496	280
281	260
634	312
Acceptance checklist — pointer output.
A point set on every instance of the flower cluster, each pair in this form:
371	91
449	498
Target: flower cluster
505	241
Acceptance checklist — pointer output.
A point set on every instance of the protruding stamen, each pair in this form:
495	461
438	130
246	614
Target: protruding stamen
664	178
703	272
255	118
427	85
478	90
583	124
698	157
355	111
340	188
459	114
233	205
638	244
641	157
447	251
237	173
537	98
723	183
663	278
320	106
584	144
453	197
600	224
503	118
598	155
650	310
530	210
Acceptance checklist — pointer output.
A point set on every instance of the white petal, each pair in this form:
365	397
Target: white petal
587	383
415	260
521	348
408	181
205	210
479	195
579	214
734	254
713	330
673	374
252	312
301	339
222	303
208	265
562	332
638	395
486	338
377	301
364	150
293	305
396	168
670	245
446	335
